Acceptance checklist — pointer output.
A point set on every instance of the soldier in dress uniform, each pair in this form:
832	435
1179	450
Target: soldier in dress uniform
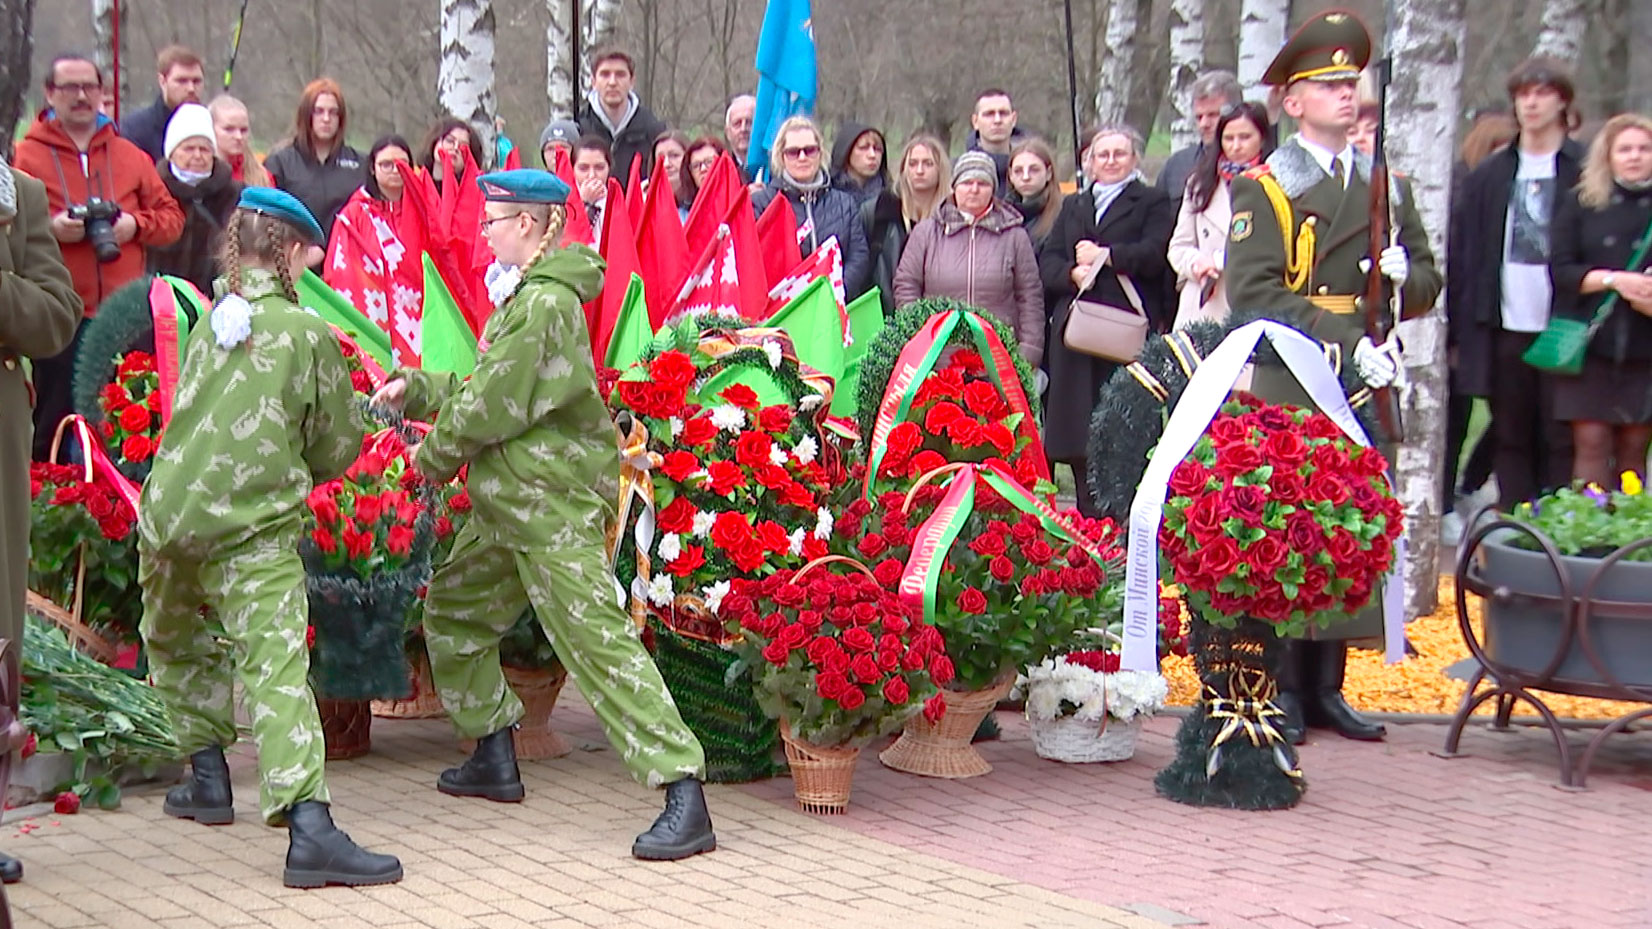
1299	251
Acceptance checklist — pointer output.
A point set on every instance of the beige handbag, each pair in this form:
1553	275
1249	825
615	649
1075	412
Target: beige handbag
1105	331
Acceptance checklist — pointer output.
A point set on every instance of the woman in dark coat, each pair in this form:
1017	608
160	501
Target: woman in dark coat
1130	238
1594	236
796	164
204	187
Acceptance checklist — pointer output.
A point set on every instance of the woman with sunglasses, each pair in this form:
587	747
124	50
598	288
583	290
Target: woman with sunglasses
822	212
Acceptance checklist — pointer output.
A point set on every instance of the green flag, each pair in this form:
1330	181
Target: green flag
865	322
314	293
815	324
632	334
445	341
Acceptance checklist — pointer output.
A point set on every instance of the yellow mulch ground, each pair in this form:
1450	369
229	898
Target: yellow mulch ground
1418	684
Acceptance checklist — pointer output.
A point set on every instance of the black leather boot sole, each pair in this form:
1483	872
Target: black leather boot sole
699	844
449	784
319	854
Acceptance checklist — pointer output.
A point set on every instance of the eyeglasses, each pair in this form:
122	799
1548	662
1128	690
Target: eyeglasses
806	151
486	223
78	89
1125	155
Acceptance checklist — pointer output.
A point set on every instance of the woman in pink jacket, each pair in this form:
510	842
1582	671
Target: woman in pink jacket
1200	241
975	249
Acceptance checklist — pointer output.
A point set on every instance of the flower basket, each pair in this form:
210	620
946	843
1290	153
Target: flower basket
423	703
347	726
1078	741
942	748
822	777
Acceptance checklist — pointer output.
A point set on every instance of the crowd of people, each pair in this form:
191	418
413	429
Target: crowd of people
1241	219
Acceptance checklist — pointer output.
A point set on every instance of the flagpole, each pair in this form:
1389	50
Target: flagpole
573	66
1072	84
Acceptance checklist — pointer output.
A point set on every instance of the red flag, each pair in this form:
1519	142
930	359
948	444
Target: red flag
634	192
578	226
748	257
712	202
419	227
513	159
619	249
777	237
825	261
714	287
377	268
663	255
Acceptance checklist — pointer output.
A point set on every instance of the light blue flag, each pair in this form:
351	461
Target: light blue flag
786	74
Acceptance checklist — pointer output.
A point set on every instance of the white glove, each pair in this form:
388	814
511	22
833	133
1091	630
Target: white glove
1395	264
1377	365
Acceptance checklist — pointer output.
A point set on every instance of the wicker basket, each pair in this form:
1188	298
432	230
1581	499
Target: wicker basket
1077	741
348	727
943	749
424	703
538	690
822	777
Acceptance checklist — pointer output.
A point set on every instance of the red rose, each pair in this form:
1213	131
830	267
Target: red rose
871	545
1038	552
1276	419
988	544
795	494
982	399
1303	534
691	559
772	477
697	431
972	601
1246	503
941	670
775	419
369	507
1235	460
793	636
772	536
67	802
858	639
1204	518
637	395
136	418
1003	569
678	516
1227	430
889	571
460	502
100	505
357	544
864	668
443	527
940	416
399	541
830	684
1267	554
741	396
1287	486
324	540
724	477
1320	426
1219	558
1368	462
1345	549
776	653
934	709
1330	487
30	746
852	698
1189	479
1382	554
752	449
679	465
672	369
895	691
1329	456
1286	450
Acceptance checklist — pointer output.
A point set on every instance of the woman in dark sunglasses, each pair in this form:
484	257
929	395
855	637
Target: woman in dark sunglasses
797	173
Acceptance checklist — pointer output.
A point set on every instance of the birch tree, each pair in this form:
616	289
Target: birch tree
1116	77
1423	103
597	19
464	85
104	31
1262	25
1187	58
559	75
1561	35
16	49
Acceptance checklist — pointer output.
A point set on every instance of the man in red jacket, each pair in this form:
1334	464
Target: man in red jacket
87	168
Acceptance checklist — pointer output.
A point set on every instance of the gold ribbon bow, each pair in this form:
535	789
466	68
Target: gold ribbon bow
636	484
1248	708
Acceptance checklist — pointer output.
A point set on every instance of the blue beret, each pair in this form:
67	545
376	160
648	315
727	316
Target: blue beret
524	185
284	206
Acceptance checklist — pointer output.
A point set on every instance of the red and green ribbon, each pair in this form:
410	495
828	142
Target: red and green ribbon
917	359
938	533
170	302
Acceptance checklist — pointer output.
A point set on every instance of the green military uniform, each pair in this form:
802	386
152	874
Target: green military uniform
543	479
253	428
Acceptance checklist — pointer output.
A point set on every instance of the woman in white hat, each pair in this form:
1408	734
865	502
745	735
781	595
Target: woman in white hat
204	187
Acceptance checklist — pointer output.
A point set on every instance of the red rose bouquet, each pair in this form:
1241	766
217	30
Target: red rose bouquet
131	408
840	657
1278	515
73	520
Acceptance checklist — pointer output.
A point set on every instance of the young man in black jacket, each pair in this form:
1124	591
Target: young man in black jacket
181	77
613	112
1498	290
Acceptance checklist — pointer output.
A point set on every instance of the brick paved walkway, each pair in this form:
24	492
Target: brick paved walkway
1389	837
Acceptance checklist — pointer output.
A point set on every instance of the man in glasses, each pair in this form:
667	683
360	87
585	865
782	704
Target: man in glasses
107	204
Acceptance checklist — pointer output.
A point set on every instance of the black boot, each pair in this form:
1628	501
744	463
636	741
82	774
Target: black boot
1292	690
1328	662
684	828
11	870
206	796
319	854
489	772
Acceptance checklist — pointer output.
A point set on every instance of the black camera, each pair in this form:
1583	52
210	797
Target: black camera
99	217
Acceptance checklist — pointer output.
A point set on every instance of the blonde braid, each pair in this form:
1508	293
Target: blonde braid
556	217
231	258
278	238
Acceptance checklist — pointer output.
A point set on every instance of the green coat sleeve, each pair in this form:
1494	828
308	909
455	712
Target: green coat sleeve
1255	265
333	428
1424	281
522	377
426	391
39	308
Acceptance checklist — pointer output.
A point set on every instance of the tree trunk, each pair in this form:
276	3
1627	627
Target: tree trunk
1562	33
1639	83
559	76
596	26
16	51
103	40
1262	25
1423	103
464	85
1187	59
1116	76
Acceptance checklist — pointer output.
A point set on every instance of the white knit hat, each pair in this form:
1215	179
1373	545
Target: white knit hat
189	121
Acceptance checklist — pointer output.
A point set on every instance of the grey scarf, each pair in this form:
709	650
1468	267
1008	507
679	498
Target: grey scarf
1105	194
8	192
614	129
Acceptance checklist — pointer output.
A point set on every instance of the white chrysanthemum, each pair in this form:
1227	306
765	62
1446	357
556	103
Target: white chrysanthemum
823	523
714	595
702	523
807	450
671	547
231	321
777	456
796	546
659	590
771	348
728	417
810	402
676	426
1054	684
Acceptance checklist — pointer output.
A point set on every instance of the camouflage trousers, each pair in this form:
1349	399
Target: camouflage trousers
480	591
260	612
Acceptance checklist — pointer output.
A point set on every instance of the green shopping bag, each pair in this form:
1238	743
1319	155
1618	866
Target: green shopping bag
1560	347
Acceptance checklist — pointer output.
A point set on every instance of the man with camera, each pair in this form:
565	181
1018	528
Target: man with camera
107	203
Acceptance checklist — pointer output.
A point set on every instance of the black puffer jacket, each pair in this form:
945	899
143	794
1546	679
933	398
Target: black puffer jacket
207	207
1585	239
826	213
886	240
848	133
